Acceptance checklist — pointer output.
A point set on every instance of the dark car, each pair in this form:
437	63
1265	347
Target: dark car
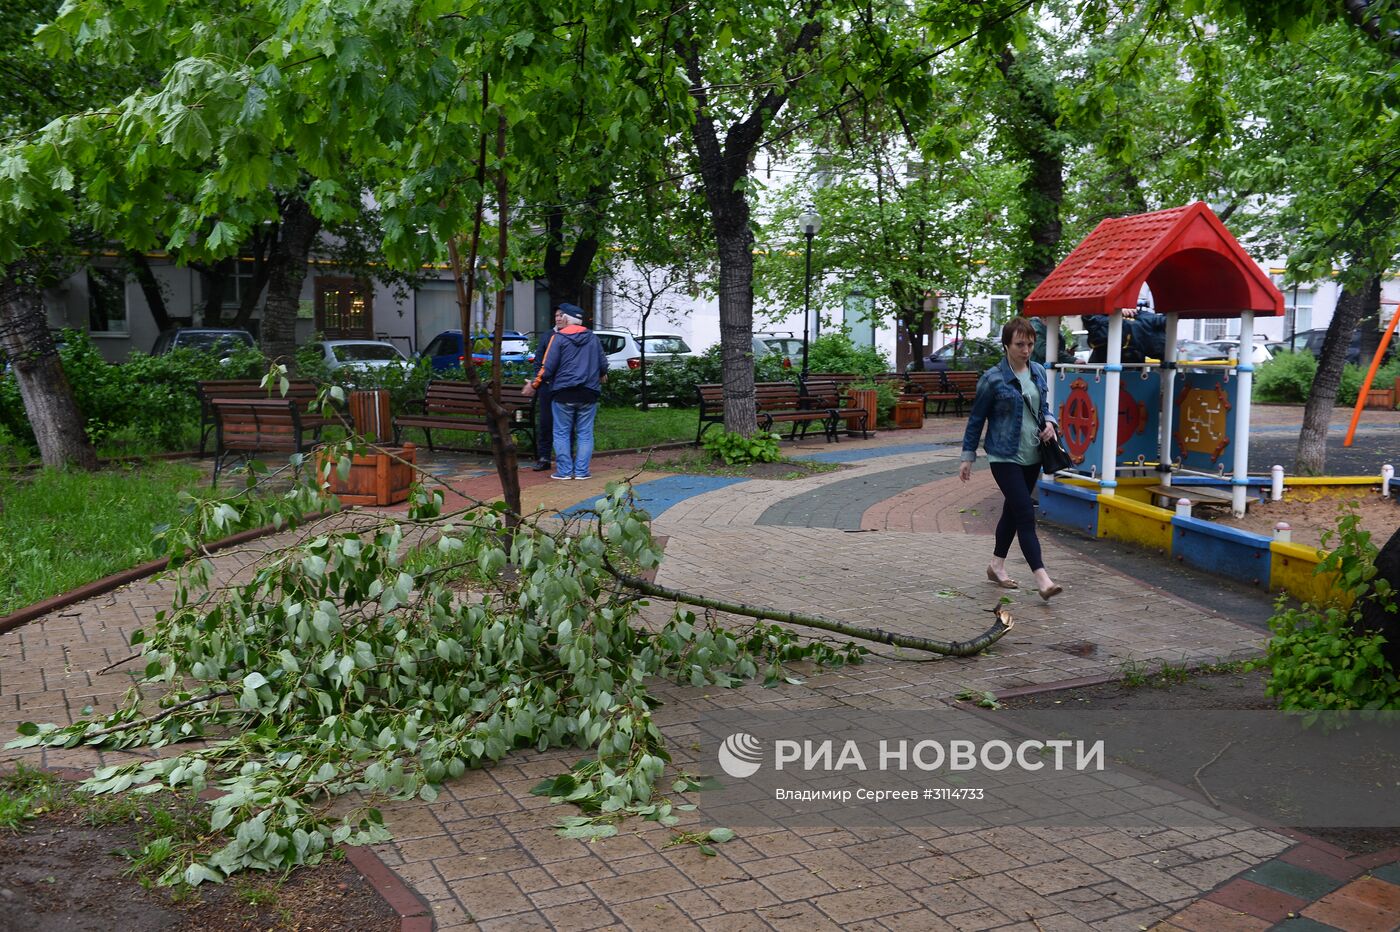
1311	340
202	339
974	354
445	349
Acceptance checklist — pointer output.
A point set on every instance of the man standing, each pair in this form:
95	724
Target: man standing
544	401
575	367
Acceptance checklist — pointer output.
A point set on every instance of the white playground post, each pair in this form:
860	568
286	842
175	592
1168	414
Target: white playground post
1168	403
1052	351
1108	422
1239	484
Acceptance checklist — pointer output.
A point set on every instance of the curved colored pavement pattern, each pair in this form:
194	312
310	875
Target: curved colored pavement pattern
842	504
657	495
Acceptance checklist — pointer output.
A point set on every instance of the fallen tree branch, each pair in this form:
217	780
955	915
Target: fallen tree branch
947	648
1197	775
164	713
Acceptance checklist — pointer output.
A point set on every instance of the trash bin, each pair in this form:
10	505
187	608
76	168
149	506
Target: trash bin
369	411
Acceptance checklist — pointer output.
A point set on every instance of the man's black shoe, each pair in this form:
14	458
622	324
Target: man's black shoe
540	466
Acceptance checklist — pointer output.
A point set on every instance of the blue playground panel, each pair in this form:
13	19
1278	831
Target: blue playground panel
656	496
1204	419
1079	400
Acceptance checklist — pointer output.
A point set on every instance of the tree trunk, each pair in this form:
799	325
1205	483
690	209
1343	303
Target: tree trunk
48	398
262	244
1317	415
569	277
1040	144
724	171
286	275
155	298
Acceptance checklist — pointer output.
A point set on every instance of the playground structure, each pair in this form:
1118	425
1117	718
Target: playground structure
1158	431
1183	422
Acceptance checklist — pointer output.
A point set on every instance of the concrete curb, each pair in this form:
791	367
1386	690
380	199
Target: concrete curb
102	586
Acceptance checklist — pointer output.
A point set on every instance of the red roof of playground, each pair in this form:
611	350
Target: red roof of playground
1192	264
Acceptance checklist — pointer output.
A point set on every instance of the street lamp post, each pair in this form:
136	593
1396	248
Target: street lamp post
810	222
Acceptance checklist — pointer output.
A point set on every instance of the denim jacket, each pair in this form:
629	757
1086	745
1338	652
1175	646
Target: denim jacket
999	405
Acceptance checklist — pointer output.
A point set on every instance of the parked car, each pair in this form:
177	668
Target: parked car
1230	349
975	354
202	339
1197	351
621	348
666	347
446	352
1311	340
359	355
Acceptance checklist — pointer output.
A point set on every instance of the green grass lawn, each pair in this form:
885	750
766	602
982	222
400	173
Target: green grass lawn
627	428
60	529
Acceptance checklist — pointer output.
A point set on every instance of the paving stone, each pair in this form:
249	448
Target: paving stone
1257	900
1292	879
1205	916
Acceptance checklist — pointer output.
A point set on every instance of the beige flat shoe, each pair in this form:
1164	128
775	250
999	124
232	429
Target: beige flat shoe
1006	582
1048	594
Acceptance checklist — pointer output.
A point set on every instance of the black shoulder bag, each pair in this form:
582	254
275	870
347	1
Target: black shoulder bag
1053	455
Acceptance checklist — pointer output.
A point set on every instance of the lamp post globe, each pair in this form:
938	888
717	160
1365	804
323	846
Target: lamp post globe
809	222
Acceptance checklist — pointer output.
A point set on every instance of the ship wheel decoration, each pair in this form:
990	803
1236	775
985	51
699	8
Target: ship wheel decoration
1132	418
1079	420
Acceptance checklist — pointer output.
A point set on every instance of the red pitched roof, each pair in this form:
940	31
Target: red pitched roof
1188	259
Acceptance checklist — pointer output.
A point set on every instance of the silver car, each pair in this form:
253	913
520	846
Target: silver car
359	355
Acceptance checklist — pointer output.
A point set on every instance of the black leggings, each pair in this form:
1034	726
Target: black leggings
1018	514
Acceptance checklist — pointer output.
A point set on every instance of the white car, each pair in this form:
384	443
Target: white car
624	351
1230	349
359	355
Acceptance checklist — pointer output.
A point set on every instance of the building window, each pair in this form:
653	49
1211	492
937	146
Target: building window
1297	310
107	301
240	282
859	318
999	310
344	309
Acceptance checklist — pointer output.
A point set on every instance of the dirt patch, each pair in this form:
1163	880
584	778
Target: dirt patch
1177	690
1309	519
62	875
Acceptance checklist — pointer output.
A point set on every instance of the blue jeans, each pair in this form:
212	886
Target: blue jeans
573	425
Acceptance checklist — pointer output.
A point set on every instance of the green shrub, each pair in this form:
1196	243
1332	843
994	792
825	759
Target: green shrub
1318	657
834	352
674	383
736	449
1352	376
1286	379
151	397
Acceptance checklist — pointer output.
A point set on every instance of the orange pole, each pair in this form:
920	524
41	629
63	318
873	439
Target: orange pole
1370	374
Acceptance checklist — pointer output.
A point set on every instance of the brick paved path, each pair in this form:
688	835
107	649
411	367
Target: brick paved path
894	540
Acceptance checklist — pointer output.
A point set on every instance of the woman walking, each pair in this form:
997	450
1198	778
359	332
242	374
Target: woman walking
1012	404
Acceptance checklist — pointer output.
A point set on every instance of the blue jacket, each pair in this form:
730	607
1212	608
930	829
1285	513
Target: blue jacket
573	358
998	406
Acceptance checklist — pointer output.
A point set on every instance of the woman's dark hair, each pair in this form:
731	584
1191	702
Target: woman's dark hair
1014	326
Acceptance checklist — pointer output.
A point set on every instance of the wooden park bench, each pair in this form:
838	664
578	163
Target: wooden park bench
451	405
943	388
826	393
776	402
245	426
301	391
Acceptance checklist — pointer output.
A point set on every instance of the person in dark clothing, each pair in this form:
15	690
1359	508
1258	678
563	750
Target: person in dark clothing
1144	335
544	401
575	367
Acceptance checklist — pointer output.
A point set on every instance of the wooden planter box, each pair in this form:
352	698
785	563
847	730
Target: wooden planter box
1381	398
375	479
909	415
